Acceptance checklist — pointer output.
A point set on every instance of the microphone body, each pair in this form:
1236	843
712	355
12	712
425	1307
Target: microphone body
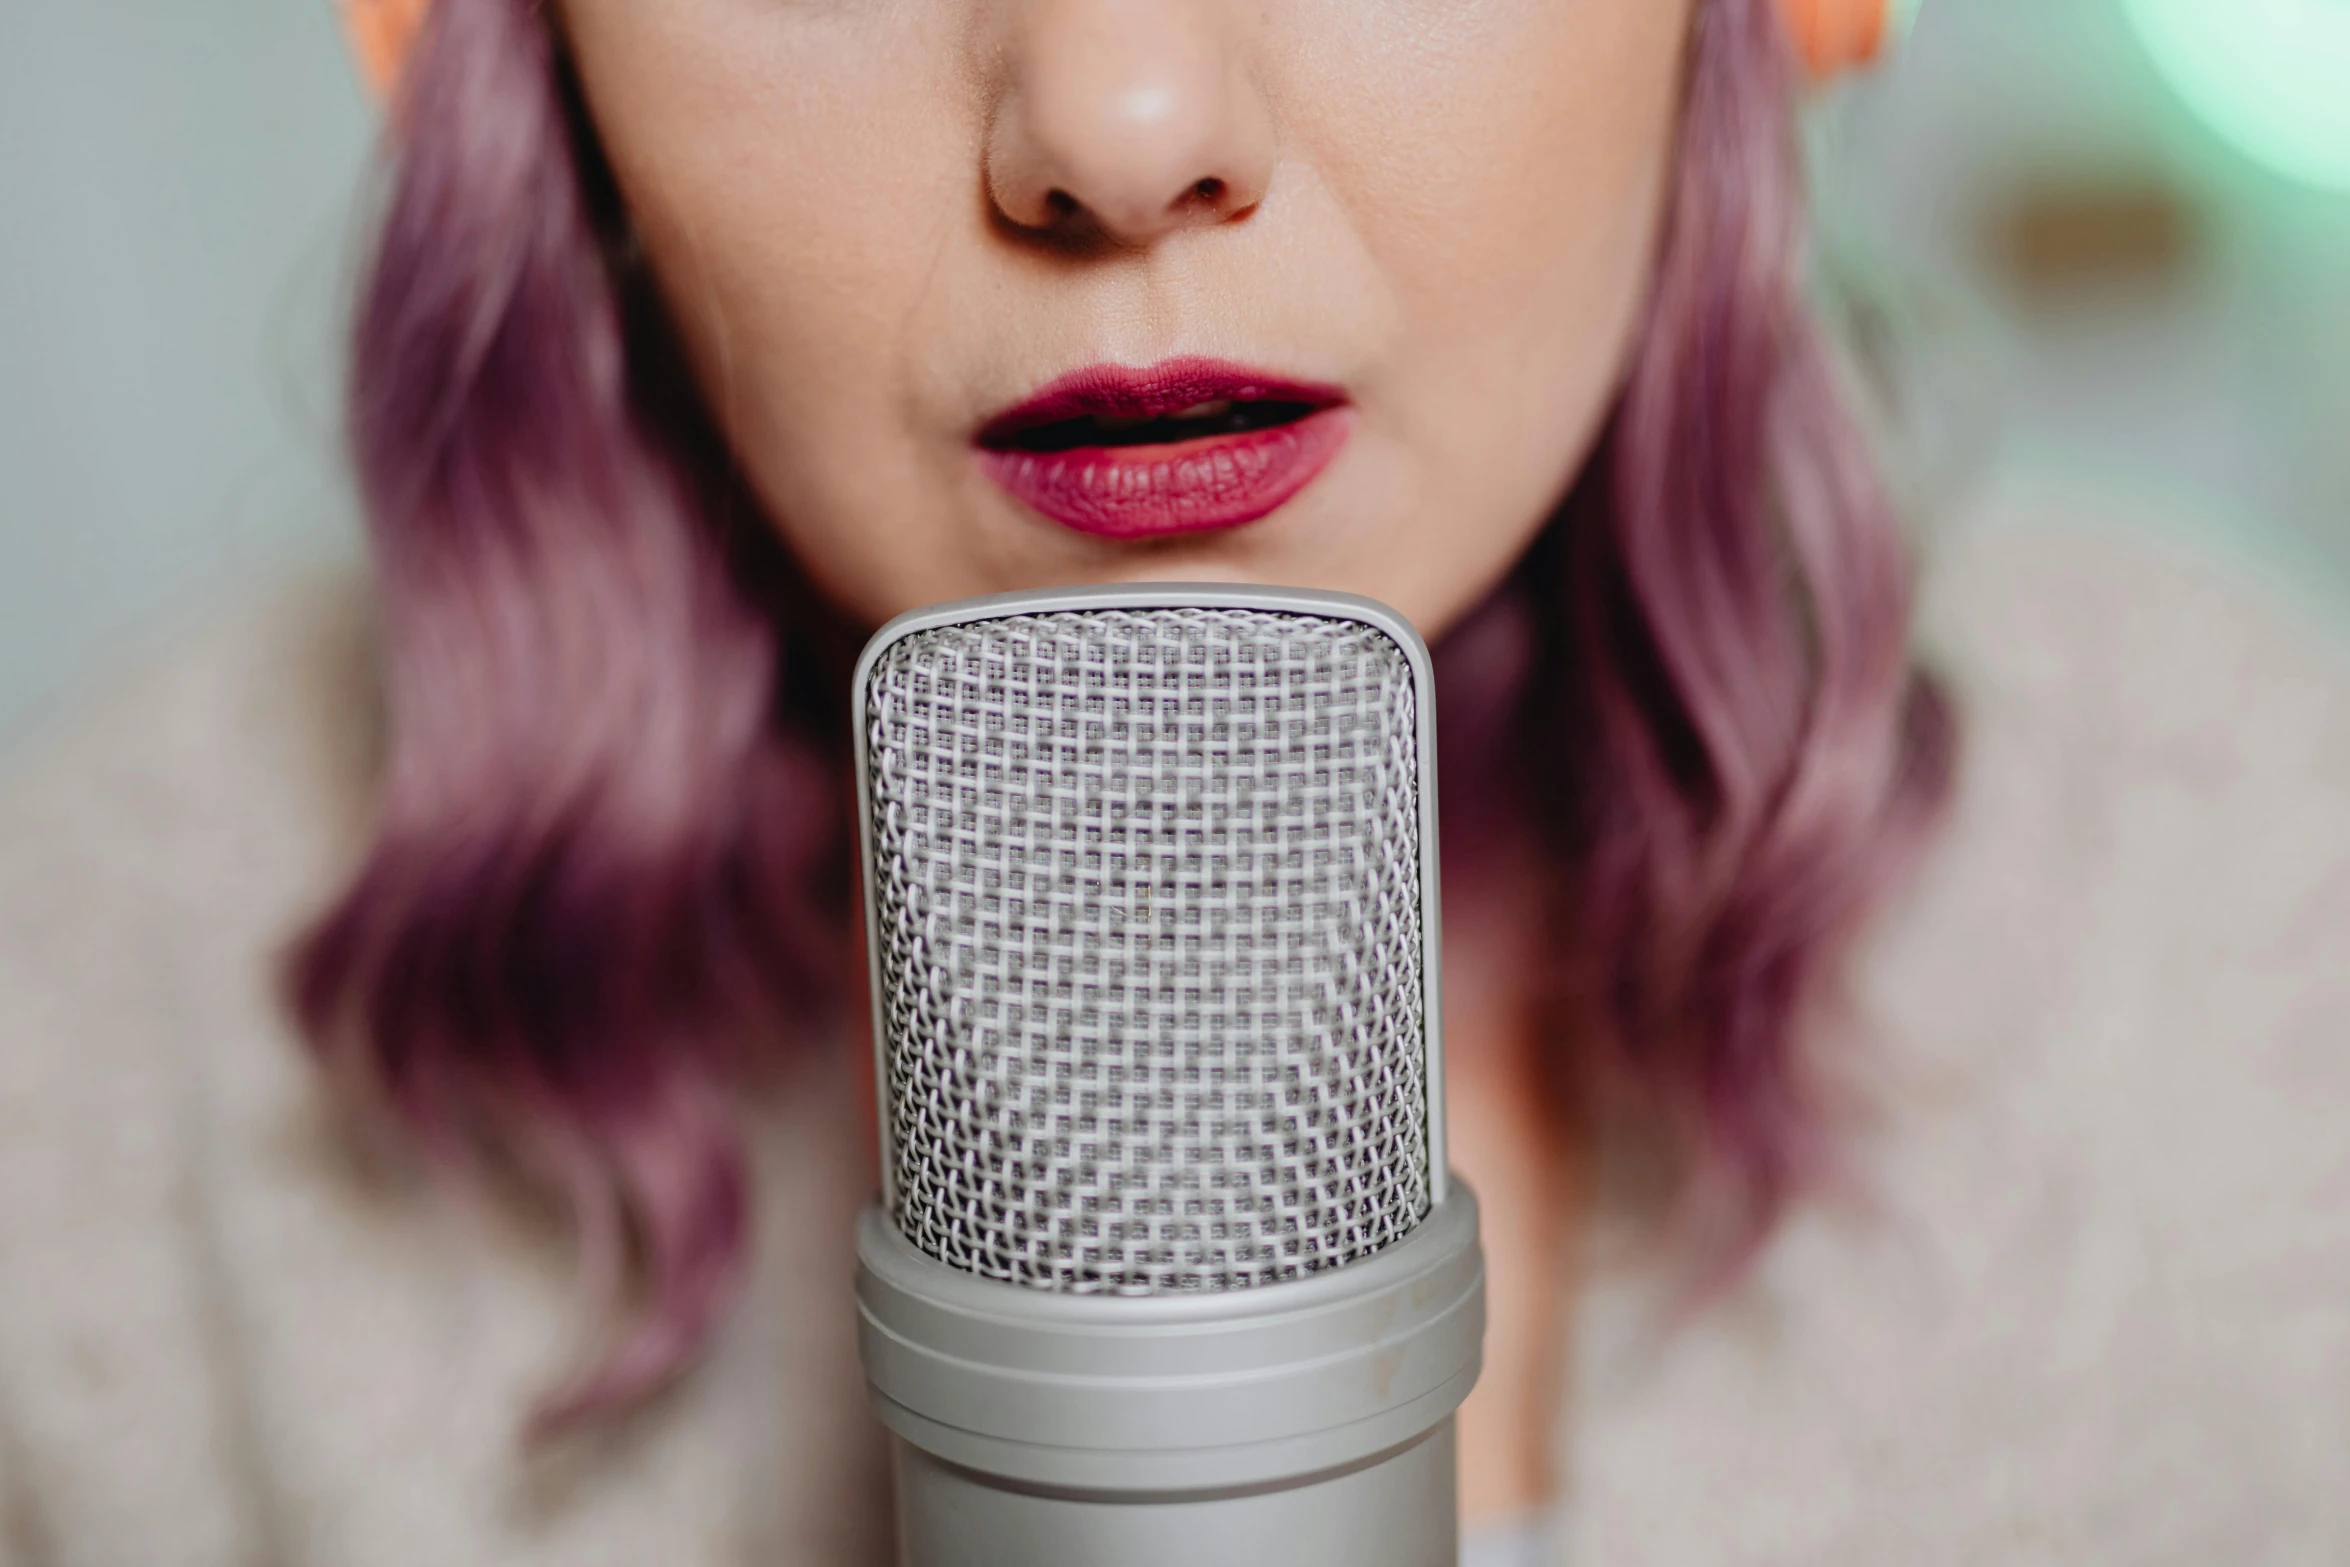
1166	1267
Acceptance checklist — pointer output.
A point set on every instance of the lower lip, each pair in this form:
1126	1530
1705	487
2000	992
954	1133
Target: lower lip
1151	492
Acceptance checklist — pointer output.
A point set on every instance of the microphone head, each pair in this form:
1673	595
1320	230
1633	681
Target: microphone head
1150	889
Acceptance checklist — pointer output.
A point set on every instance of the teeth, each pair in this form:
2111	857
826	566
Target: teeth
1208	410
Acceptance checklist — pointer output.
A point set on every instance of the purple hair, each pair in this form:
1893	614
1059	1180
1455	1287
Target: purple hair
1727	710
609	879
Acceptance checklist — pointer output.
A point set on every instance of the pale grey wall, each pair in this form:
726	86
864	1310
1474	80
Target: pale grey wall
175	183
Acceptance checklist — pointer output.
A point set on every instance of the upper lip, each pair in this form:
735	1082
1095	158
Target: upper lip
1147	391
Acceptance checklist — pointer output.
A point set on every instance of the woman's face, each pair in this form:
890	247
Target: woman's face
1331	293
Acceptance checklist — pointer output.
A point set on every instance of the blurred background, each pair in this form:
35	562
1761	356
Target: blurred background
2089	240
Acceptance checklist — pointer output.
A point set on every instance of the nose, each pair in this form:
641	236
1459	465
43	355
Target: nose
1130	119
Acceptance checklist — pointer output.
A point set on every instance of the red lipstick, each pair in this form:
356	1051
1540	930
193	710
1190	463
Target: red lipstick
1183	446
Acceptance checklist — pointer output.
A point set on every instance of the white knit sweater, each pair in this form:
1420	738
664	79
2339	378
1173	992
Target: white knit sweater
2101	1313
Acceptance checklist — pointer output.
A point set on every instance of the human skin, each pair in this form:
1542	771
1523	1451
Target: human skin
879	223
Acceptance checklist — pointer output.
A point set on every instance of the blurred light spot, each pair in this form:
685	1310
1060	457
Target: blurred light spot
2271	76
2055	235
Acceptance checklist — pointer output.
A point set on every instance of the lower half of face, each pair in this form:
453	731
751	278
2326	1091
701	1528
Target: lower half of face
998	294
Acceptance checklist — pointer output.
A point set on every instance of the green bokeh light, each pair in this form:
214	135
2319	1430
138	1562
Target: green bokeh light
2272	76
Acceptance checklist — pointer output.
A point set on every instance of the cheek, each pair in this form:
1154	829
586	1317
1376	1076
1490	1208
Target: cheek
1510	186
792	177
1526	147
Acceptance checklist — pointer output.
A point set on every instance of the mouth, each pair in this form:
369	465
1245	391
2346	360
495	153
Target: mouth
1185	446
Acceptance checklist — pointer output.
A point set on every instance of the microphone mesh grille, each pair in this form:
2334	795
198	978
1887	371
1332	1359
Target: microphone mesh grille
1147	891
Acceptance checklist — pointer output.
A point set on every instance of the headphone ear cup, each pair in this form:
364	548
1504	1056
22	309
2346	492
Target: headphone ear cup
1835	36
382	34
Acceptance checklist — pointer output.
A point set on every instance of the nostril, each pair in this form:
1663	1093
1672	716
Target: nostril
1060	204
1209	190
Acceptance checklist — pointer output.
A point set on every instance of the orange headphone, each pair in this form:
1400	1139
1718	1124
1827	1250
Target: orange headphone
381	34
1831	36
1835	36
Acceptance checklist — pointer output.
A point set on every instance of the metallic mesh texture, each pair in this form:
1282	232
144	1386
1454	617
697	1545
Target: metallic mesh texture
1148	897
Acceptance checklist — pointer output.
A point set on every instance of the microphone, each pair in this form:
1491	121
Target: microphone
1167	1268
